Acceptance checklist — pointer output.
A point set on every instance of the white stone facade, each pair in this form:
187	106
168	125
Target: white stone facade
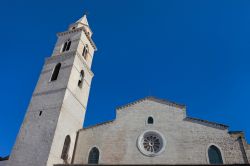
187	139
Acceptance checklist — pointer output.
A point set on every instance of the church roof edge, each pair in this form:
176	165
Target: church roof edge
98	124
235	132
214	124
152	98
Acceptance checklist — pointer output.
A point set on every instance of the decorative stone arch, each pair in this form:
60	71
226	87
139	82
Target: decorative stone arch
65	149
219	148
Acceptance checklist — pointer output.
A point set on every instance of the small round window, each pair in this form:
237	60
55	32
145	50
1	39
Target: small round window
151	143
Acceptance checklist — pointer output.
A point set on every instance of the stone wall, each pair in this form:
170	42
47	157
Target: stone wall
3	163
187	140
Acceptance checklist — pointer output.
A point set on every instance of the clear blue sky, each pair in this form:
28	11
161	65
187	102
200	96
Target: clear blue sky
190	52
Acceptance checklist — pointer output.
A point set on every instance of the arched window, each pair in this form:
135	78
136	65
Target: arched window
85	52
80	82
150	120
93	156
214	155
65	149
55	72
66	46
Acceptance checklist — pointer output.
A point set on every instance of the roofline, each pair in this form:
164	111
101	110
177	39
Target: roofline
235	132
214	124
152	98
98	124
167	102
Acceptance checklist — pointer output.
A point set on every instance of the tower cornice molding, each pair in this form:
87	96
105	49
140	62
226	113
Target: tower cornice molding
79	30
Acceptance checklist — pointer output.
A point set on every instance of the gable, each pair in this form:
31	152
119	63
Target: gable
154	99
140	110
160	109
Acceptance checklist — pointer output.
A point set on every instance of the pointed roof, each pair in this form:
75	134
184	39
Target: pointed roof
83	20
155	99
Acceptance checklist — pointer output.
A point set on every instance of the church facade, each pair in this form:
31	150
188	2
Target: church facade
147	131
156	131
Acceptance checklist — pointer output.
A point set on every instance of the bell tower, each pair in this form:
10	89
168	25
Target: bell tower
58	104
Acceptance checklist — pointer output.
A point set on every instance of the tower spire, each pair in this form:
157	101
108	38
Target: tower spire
83	20
82	23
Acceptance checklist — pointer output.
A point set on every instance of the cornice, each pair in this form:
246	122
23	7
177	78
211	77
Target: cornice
97	125
79	30
162	101
212	124
181	106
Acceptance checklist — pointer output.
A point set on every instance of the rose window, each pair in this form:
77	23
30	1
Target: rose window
151	143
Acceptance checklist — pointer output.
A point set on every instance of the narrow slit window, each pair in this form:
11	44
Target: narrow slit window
85	52
55	72
40	113
64	46
68	46
150	120
81	79
65	149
